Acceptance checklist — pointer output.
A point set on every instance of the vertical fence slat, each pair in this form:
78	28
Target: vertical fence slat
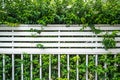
3	67
68	66
13	67
13	71
22	67
31	67
105	66
40	66
77	63
49	67
86	66
58	65
96	63
59	56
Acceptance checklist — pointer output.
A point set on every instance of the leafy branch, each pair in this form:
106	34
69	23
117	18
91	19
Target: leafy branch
109	40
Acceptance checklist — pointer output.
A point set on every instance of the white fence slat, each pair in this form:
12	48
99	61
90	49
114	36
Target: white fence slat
39	28
59	27
54	39
105	66
40	60
3	67
47	33
54	44
87	67
31	67
58	65
68	66
51	34
56	51
22	67
96	63
13	71
77	69
49	67
59	57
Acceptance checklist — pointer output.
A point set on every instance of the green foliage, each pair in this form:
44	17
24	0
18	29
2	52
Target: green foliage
62	79
60	11
96	31
109	40
35	30
40	46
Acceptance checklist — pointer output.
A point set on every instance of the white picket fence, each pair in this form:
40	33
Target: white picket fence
56	39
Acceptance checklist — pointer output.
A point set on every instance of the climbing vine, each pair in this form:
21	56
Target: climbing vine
109	40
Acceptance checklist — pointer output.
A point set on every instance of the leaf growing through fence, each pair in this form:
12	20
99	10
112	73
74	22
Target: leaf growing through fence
40	46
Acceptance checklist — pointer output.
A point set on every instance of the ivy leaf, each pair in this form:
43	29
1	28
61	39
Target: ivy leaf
35	30
96	31
83	20
83	27
40	46
37	78
114	33
31	30
38	31
41	22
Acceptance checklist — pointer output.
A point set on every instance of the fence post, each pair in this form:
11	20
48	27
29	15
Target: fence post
49	67
96	63
40	66
86	66
3	66
59	56
77	64
31	66
13	67
22	67
68	66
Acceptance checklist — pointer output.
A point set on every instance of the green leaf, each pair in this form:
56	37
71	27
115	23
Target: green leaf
96	31
40	45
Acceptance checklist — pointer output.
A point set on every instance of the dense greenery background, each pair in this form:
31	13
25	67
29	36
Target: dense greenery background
60	11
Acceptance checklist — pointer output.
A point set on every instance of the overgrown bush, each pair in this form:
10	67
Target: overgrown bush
60	11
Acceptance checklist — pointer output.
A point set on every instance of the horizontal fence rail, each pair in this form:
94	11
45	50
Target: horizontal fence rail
56	52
